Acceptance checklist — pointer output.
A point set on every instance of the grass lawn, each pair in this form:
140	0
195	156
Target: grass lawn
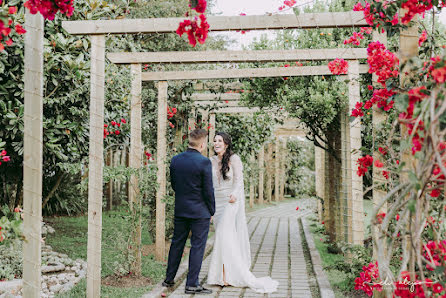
71	238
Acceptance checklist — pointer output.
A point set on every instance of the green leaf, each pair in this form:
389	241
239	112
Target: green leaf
414	180
411	206
193	3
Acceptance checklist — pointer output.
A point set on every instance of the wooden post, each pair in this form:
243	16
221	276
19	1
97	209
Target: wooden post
343	206
211	134
269	172
379	118
135	160
277	170
251	183
96	158
331	189
282	168
161	152
205	121
261	172
117	184
408	49
110	183
326	173
319	166
337	192
191	121
32	155
356	188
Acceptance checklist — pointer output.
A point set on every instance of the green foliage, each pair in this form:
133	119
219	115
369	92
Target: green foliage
352	266
248	133
12	260
300	168
11	225
70	237
315	100
66	98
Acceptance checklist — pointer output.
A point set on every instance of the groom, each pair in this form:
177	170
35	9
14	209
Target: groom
191	177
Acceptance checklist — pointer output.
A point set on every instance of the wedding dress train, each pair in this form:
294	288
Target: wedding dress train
231	246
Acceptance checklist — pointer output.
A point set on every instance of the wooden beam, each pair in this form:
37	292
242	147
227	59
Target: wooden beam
238	110
242	73
95	173
215	96
296	132
219	23
161	149
32	155
217	85
219	104
135	163
238	56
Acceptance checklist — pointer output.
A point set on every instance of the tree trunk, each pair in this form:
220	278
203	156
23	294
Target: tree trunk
60	176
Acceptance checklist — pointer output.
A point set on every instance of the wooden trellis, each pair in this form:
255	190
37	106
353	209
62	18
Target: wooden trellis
231	73
34	81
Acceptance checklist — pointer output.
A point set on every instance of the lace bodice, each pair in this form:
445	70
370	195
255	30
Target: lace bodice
234	179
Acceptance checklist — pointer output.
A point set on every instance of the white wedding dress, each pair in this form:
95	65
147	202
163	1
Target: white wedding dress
231	246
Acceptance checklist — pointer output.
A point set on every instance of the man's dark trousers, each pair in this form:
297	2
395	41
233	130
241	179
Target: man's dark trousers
191	178
200	228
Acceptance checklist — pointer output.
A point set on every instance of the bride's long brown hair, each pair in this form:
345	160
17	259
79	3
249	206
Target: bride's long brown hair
227	155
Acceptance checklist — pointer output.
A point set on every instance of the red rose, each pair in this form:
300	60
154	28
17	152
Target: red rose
12	10
19	29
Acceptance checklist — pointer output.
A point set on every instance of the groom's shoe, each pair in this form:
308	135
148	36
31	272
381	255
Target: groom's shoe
168	284
197	290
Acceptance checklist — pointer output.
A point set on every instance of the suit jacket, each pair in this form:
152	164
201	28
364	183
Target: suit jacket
191	177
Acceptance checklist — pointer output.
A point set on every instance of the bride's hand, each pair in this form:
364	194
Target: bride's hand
232	199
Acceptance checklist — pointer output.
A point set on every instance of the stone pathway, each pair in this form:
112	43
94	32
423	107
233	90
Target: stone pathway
276	251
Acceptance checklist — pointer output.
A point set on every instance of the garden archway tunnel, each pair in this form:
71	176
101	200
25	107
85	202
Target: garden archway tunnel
97	30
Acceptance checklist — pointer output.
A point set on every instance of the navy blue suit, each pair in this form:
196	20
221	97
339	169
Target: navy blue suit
191	179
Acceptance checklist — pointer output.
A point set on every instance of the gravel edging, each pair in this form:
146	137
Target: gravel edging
324	285
159	289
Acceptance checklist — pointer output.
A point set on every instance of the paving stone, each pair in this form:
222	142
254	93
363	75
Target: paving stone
276	251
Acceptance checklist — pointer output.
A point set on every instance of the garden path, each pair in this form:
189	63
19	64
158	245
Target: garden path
277	251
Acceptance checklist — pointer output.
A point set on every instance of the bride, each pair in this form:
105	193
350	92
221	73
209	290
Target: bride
231	256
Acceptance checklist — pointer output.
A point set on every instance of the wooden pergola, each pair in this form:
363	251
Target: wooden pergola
98	30
162	77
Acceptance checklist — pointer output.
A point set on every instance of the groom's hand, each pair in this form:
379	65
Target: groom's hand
212	218
232	199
